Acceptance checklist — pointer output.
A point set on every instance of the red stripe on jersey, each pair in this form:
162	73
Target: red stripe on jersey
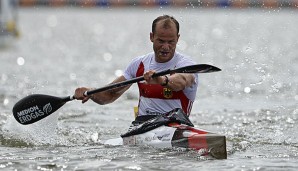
140	71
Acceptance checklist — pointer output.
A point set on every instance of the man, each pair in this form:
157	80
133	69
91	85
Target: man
160	94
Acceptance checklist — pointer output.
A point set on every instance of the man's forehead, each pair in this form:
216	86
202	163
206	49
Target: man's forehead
165	27
166	24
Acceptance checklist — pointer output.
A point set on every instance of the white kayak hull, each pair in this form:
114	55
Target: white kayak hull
178	135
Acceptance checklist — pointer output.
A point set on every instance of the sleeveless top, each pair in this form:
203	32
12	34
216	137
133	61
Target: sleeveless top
154	98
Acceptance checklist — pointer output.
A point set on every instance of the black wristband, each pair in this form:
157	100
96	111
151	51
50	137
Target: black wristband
166	81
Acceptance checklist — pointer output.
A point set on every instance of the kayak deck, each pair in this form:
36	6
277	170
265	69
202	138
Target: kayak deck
177	135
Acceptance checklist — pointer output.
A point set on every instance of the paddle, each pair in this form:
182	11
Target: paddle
38	106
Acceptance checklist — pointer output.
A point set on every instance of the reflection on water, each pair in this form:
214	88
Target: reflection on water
253	100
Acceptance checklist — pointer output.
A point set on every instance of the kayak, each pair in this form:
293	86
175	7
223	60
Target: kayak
173	130
178	135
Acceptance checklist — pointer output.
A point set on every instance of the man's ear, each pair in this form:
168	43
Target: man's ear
151	36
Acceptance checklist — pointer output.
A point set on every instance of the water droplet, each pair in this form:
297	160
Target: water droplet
290	120
5	102
217	33
133	167
247	89
72	76
107	57
94	137
4	77
20	61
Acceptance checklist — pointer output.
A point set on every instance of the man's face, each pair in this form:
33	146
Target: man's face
164	41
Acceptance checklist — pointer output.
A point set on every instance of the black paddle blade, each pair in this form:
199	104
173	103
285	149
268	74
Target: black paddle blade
36	107
199	68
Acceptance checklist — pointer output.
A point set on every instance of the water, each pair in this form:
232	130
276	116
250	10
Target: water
253	101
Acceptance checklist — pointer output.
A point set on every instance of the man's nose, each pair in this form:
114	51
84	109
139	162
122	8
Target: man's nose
165	46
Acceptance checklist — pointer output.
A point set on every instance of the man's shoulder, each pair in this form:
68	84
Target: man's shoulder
146	56
184	60
143	58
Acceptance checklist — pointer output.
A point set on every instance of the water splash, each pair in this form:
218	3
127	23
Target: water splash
37	134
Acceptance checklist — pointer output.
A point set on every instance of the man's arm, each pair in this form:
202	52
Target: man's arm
175	82
179	81
104	97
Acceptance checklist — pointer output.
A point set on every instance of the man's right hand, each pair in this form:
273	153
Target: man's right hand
79	94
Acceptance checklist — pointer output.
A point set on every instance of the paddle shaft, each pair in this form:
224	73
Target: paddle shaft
199	68
125	83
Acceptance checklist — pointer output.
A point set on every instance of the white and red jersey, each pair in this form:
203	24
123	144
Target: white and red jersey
154	98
